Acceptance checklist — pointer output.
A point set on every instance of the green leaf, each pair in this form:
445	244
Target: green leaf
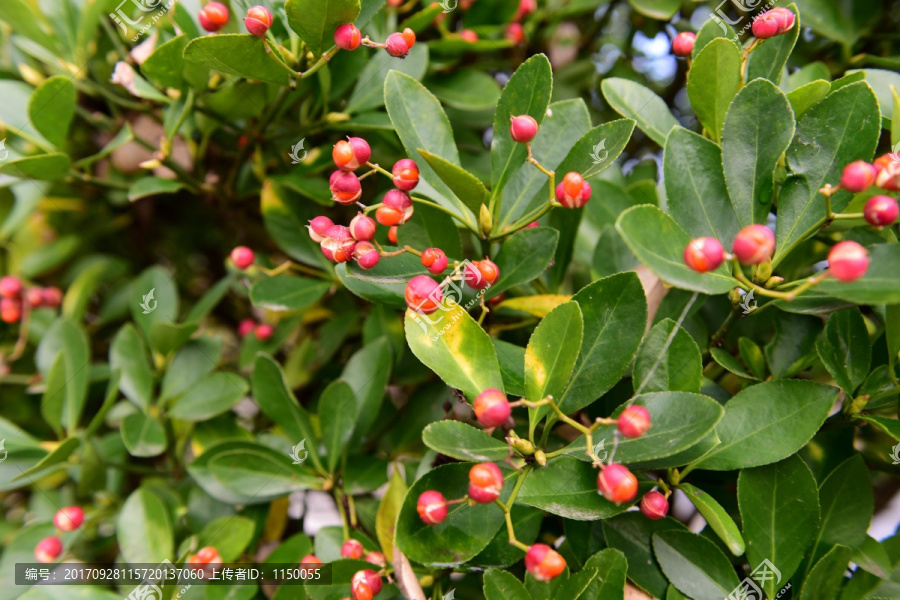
527	93
769	59
45	167
752	356
694	565
367	373
463	534
879	285
463	184
659	243
758	129
52	107
286	216
209	397
431	228
512	361
845	349
631	533
714	82
845	127
779	506
500	553
128	355
26	22
615	317
143	435
668	360
369	9
287	293
153	298
634	101
243	55
609	584
730	363
568	487
695	187
167	337
467	88
661	10
503	585
463	355
144	529
369	91
55	458
337	418
712	29
147	187
463	442
873	557
716	517
383	284
807	96
768	422
194	360
523	257
55	388
65	336
888	426
230	535
165	66
843	21
825	580
315	20
388	509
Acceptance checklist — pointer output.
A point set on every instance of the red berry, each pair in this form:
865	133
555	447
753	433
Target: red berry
754	244
848	261
392	234
365	584
310	559
704	254
485	482
634	421
242	257
366	255
246	327
683	44
10	287
362	227
515	33
784	18
406	174
480	274
397	46
352	549
10	310
401	202
263	332
388	216
523	128
492	408
208	555
409	36
654	505
434	260
345	188
69	518
338	244
376	558
858	176
881	211
423	294
765	26
34	297
617	483
573	191
532	225
258	20
543	562
318	226
432	507
53	297
526	7
347	37
213	16
351	154
48	549
468	36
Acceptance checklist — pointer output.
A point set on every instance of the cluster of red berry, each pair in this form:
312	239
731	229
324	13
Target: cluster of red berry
615	481
769	24
398	44
66	519
365	583
14	298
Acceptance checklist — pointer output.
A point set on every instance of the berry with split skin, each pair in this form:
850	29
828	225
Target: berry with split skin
492	408
634	421
258	20
704	254
352	549
213	16
423	294
881	211
397	46
392	234
242	257
654	505
480	274
432	507
523	128
683	44
10	310
405	174
848	261
888	177
263	332
48	549
362	227
544	563
387	216
347	37
858	176
345	187
318	227
34	297
396	209
366	255
468	35
434	260
754	244
376	558
485	482
617	483
53	297
351	154
10	287
246	327
338	244
765	26
69	518
364	585
409	36
573	191
784	18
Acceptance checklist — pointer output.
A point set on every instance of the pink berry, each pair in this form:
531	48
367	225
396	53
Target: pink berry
258	20
405	174
434	260
213	16
242	257
69	518
318	228
366	255
432	507
858	176
468	35
48	549
526	7
423	294
523	128
10	287
573	191
754	245
338	244
888	168
784	18
704	254
492	408
399	201
683	44
515	33
765	26
848	261
351	154
362	227
263	332
34	297
480	274
544	563
617	483
246	327
347	37
345	188
365	584
53	297
654	505
352	549
881	211
376	558
634	421
396	45
485	482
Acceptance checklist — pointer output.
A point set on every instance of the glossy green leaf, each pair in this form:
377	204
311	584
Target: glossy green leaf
463	442
388	509
712	29
714	82
128	355
500	553
779	506
512	361
825	580
367	373
845	127
463	184
631	533
230	535
769	59
209	397
768	422
843	21
431	228
27	22
55	382
503	585
385	283
194	360
52	107
694	565
59	455
878	286
466	88
147	187
845	349
45	167
369	91
730	363
695	187
609	584
872	556
807	96
336	415
66	337
315	20
455	347
165	66
752	356
523	257
167	337
888	426
634	101
662	10
659	243
758	129
143	435
286	293
144	530
668	360
286	216
716	517
243	55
